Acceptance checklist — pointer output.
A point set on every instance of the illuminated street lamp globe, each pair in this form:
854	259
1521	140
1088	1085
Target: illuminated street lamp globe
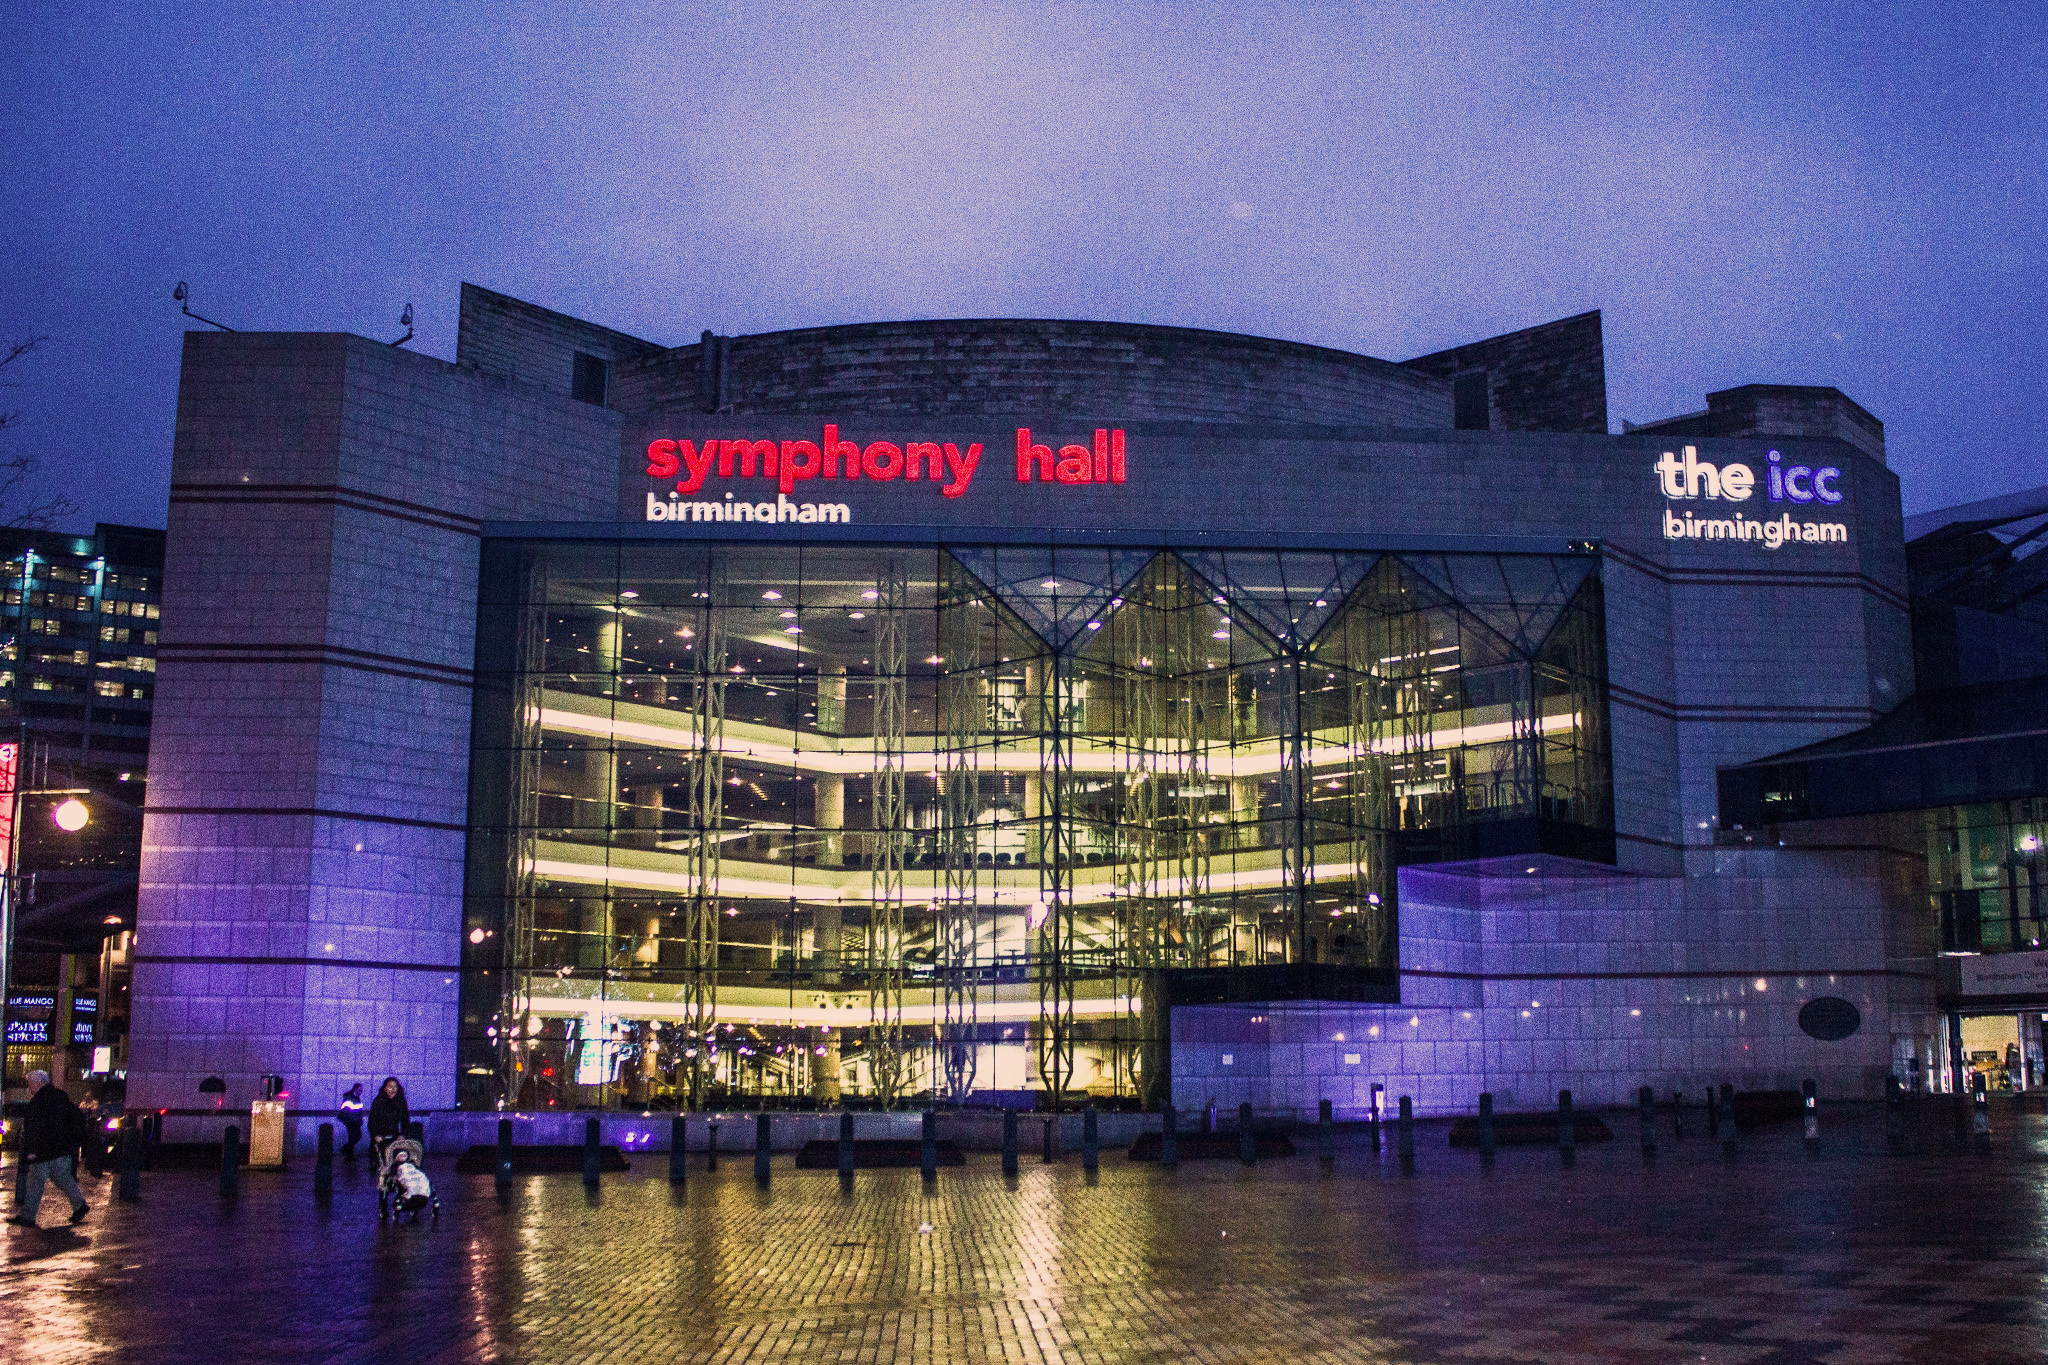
71	815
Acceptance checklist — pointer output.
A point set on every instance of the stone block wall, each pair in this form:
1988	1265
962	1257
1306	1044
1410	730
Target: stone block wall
301	882
1551	377
1597	982
1025	367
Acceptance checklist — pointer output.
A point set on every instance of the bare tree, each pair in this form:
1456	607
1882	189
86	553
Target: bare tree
18	470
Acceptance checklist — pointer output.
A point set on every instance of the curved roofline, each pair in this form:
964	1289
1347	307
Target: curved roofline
1159	327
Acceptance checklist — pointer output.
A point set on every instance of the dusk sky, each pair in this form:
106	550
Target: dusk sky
1811	194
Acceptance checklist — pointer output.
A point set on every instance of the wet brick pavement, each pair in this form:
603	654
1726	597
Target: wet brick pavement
1777	1259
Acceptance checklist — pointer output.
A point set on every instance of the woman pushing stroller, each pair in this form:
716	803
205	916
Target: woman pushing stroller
390	1117
402	1187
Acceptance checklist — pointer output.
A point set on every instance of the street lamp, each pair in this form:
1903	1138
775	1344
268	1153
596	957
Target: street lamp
71	815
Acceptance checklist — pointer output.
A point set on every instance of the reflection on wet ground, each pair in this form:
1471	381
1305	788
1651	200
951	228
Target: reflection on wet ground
1772	1259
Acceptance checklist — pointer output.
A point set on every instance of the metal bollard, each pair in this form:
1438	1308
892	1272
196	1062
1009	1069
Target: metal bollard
230	1162
591	1157
1009	1142
1247	1141
762	1137
1405	1137
711	1147
1169	1139
1809	1092
1678	1115
1326	1130
1372	1120
1646	1102
928	1137
1486	1128
1091	1140
323	1163
131	1161
502	1175
1050	1129
846	1146
1728	1120
1713	1117
1895	1116
678	1149
1567	1136
1980	1115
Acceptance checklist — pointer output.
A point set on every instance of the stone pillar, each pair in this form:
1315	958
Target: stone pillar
824	1069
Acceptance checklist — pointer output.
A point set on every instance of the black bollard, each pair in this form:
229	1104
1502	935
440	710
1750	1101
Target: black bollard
131	1161
711	1147
1372	1117
1713	1117
1091	1140
1169	1139
846	1147
762	1137
1728	1120
1567	1137
1051	1127
1486	1128
1894	1116
1009	1142
230	1162
678	1149
1809	1091
1404	1139
928	1144
501	1174
592	1168
1326	1130
1646	1102
1247	1140
323	1163
1980	1115
1678	1115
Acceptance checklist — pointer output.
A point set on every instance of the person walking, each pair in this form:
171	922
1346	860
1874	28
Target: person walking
351	1117
390	1116
50	1132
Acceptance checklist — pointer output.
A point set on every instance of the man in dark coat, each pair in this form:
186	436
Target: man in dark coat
49	1135
351	1116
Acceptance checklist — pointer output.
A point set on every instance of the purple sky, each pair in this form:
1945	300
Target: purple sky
1822	194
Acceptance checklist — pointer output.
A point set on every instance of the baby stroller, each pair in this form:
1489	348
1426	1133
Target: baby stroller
402	1187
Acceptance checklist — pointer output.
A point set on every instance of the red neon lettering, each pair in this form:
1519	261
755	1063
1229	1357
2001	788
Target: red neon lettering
699	464
837	450
1116	455
924	454
1101	455
1076	465
661	459
881	460
749	452
800	460
962	468
1027	452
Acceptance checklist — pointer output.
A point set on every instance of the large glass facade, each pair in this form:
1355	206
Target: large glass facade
867	823
1987	874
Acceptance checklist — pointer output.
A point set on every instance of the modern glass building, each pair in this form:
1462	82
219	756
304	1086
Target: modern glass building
1001	712
893	820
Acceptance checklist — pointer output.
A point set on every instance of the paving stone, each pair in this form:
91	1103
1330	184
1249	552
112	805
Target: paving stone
1774	1260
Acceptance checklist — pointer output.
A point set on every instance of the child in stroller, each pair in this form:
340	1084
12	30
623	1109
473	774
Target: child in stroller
402	1187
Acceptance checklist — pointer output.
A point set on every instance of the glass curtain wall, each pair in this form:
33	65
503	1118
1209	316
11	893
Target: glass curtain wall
857	824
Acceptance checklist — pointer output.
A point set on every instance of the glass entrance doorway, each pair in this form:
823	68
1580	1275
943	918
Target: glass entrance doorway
2005	1049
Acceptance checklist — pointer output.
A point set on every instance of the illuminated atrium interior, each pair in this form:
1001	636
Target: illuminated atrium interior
890	823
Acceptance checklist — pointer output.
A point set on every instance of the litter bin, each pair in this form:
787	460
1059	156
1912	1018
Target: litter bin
266	1134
